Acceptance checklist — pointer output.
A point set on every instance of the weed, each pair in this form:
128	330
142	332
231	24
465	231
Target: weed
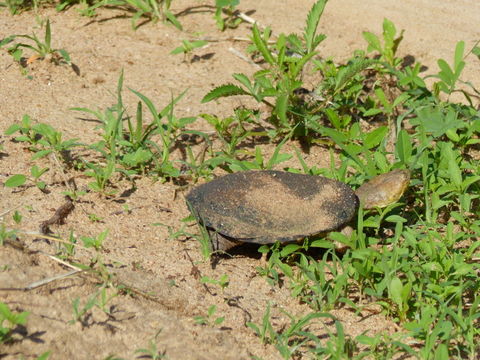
153	10
210	318
222	282
152	351
19	179
95	242
99	299
44	140
17	217
9	321
187	48
227	8
42	49
44	356
67	249
101	175
27	134
282	77
390	46
129	146
6	234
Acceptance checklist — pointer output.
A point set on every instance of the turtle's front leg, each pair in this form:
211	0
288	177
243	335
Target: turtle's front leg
220	242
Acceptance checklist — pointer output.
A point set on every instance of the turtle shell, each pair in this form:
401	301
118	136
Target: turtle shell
268	206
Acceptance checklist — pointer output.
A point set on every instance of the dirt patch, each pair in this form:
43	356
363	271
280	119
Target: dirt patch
162	292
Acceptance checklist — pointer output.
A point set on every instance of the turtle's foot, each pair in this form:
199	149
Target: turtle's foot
221	243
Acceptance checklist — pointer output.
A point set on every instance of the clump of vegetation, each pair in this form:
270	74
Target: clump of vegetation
42	49
9	320
416	127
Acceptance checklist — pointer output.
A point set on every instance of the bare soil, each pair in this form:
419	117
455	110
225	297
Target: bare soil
164	274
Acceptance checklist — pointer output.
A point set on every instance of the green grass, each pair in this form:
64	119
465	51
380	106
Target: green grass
420	275
9	320
42	49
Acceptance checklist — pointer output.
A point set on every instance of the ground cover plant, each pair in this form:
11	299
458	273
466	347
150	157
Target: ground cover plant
413	263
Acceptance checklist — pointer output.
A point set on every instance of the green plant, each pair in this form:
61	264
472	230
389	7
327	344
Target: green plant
44	356
9	321
99	299
187	48
95	242
16	6
44	140
26	131
67	249
293	338
42	49
152	351
132	147
233	130
390	46
19	179
6	234
17	217
227	8
152	10
210	318
283	76
222	282
258	162
101	175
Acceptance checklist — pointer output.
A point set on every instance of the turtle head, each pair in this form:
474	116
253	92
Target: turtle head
384	189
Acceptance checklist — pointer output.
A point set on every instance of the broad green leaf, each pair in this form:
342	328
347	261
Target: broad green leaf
395	289
454	171
441	353
16	180
475	51
446	74
65	55
42	153
395	219
404	147
389	30
289	249
12	129
435	122
375	137
373	42
223	91
458	62
178	50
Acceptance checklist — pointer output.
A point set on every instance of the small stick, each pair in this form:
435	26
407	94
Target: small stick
243	57
252	21
51	279
48	237
76	268
248	19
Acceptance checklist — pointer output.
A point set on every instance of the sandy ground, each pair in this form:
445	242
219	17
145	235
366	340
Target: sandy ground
140	253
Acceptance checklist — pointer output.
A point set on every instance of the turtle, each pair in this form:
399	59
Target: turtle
266	206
